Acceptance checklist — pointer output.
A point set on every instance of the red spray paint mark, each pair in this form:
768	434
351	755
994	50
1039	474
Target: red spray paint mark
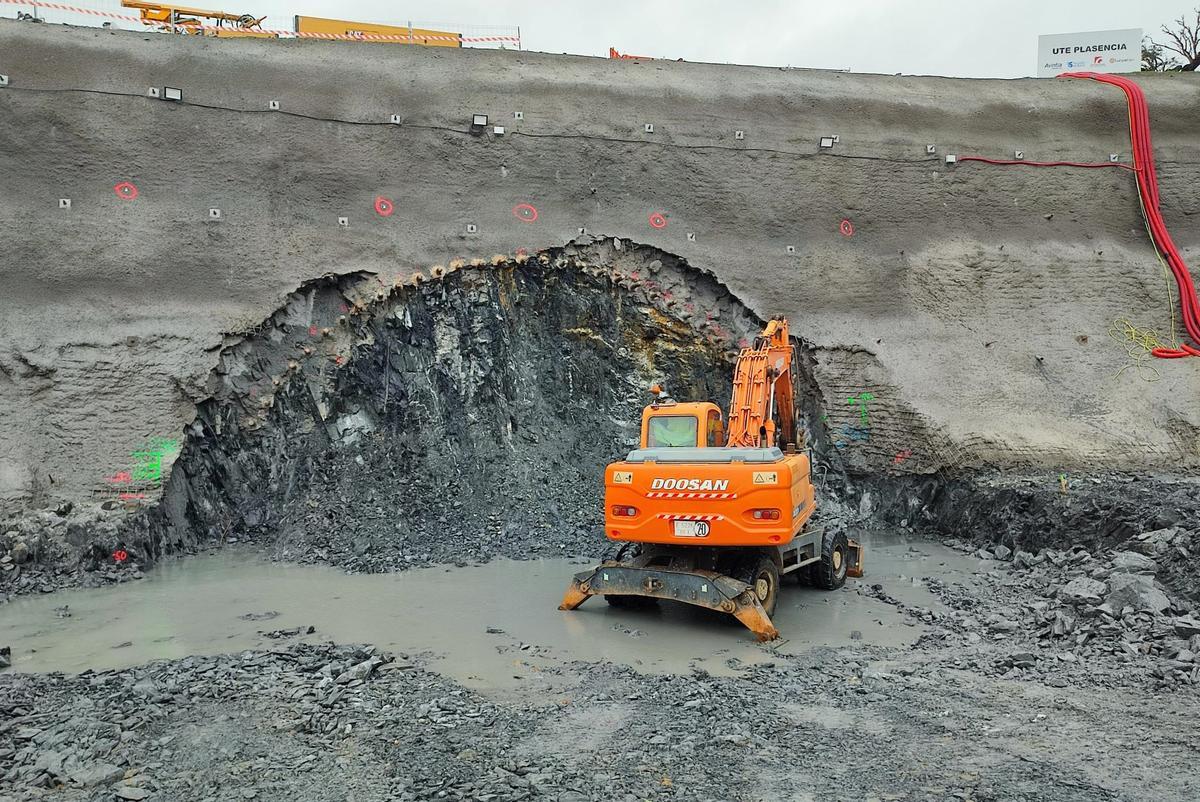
131	496
312	331
522	253
119	478
658	220
384	207
743	343
903	455
847	228
525	212
120	556
126	191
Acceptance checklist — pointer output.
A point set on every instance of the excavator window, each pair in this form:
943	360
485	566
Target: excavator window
716	432
672	431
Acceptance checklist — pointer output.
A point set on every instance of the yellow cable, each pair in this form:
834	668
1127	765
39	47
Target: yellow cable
1138	343
1166	275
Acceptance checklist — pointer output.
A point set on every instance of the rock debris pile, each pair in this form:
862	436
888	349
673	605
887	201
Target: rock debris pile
325	723
1077	616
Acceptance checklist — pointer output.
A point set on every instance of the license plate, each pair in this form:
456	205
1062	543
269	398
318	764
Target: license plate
691	528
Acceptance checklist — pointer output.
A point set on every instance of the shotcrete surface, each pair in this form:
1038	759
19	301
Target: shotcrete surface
973	300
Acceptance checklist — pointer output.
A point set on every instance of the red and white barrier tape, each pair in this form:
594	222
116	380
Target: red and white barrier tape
358	37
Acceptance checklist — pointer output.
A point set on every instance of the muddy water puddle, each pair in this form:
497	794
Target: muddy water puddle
493	625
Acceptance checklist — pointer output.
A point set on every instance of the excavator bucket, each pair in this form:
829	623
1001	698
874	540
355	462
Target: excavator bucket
700	588
855	556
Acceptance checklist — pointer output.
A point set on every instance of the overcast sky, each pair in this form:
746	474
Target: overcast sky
977	38
943	37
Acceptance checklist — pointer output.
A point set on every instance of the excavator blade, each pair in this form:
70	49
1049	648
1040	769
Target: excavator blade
700	588
755	619
855	555
577	594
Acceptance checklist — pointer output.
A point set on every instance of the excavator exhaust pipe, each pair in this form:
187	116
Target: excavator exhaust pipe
700	588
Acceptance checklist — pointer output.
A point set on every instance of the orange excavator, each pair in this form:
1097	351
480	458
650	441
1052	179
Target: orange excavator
712	514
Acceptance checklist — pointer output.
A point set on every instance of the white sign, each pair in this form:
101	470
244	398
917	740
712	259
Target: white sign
1093	51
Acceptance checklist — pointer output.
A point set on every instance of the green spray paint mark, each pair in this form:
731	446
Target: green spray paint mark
148	462
861	400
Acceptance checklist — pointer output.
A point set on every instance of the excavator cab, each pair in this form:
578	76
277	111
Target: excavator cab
668	424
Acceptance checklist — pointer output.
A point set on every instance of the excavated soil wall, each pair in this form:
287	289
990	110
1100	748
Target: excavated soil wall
199	300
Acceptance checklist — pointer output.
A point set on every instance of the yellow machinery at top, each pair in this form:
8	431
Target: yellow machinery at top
199	21
191	20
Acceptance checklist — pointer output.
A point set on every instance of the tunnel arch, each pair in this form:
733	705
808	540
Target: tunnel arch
459	413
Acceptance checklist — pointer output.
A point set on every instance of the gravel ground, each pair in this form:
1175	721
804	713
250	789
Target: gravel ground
1039	678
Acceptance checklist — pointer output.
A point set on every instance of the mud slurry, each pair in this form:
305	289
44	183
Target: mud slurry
968	710
489	626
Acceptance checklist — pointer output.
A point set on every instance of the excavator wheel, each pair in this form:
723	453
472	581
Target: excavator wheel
762	575
830	572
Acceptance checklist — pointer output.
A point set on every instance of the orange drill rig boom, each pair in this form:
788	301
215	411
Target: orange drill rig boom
182	19
715	515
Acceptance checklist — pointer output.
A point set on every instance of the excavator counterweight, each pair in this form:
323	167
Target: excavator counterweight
711	512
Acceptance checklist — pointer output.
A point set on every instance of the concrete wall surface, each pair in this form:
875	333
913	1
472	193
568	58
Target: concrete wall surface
973	302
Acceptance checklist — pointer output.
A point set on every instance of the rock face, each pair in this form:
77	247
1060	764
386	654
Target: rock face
1158	541
19	553
1136	591
97	775
1085	590
1130	562
469	418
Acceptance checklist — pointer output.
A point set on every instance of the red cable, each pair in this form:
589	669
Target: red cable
1089	165
1147	181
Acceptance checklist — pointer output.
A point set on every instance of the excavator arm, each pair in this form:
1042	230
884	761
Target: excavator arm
762	389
